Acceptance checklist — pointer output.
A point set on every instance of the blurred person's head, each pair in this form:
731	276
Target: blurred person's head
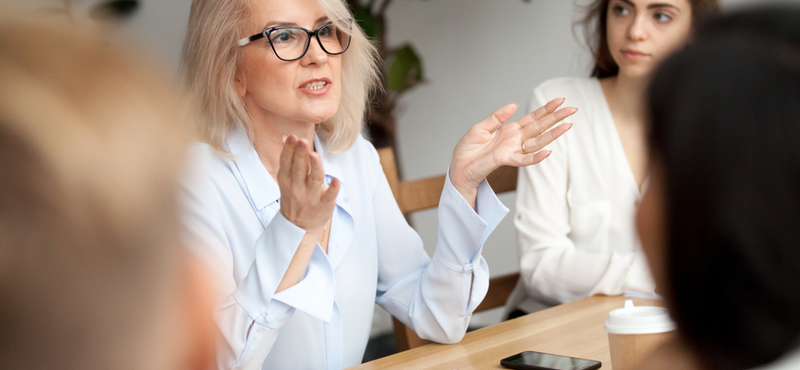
631	37
92	275
720	222
238	84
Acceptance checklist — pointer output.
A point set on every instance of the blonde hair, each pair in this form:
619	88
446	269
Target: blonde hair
90	147
211	57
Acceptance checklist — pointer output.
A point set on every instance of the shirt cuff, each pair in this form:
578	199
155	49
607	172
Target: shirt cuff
462	230
315	292
277	314
274	251
491	209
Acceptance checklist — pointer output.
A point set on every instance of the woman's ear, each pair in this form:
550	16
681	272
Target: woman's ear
198	301
239	85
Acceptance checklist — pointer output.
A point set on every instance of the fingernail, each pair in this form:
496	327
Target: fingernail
301	144
283	139
548	154
570	126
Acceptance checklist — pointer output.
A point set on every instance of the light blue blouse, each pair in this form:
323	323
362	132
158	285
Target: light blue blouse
232	219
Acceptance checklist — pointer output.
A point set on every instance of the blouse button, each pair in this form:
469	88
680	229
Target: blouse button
468	267
269	318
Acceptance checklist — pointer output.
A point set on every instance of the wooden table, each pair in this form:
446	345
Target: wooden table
574	329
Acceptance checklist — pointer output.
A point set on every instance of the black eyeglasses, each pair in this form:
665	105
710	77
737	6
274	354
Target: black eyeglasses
291	43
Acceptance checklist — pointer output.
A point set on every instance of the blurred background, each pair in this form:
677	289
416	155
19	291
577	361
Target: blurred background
452	63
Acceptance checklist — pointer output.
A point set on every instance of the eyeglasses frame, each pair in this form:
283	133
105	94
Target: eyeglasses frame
314	33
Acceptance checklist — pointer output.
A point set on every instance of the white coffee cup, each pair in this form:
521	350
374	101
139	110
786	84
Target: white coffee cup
634	332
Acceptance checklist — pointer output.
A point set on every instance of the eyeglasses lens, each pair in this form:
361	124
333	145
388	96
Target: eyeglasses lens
290	42
333	39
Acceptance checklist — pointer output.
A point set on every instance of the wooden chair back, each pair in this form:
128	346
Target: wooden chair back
421	194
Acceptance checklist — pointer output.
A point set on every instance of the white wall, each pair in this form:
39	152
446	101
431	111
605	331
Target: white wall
160	25
157	25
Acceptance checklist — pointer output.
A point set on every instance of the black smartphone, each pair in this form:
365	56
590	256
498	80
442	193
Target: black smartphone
530	360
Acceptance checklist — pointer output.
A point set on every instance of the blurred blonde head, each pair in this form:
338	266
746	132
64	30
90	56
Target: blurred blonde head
211	57
90	147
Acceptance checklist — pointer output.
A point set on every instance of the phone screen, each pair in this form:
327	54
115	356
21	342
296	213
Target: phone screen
538	360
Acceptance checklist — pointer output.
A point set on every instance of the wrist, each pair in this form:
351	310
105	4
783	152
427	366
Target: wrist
308	229
315	232
310	240
467	190
460	181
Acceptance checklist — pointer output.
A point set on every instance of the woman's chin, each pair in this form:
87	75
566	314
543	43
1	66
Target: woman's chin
318	116
321	108
637	71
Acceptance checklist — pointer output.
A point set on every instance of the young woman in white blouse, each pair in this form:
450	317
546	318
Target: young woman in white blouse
291	205
575	211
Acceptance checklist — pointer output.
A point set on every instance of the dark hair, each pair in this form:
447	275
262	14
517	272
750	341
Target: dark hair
725	115
594	26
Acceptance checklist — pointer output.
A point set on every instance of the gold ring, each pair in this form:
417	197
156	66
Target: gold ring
523	149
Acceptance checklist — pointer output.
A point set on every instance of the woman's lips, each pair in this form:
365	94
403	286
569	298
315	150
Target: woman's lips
634	55
316	86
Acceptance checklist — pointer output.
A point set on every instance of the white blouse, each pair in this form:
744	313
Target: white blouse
789	361
233	220
575	210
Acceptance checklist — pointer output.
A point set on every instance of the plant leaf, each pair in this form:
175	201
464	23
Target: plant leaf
405	69
367	21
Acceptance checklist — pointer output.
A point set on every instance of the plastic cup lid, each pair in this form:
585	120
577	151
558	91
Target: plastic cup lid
639	320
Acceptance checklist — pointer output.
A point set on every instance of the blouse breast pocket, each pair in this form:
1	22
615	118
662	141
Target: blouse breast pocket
591	223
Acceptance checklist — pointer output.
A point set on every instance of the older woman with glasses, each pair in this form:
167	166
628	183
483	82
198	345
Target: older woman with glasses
291	204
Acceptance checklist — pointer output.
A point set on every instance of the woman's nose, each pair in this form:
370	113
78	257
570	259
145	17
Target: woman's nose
315	54
637	30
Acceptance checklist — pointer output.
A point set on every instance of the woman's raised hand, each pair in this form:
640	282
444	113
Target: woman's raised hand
485	147
305	199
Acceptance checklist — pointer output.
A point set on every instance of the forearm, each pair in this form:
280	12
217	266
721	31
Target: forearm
299	262
560	275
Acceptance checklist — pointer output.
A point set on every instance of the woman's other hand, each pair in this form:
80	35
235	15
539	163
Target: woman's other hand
488	145
305	199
